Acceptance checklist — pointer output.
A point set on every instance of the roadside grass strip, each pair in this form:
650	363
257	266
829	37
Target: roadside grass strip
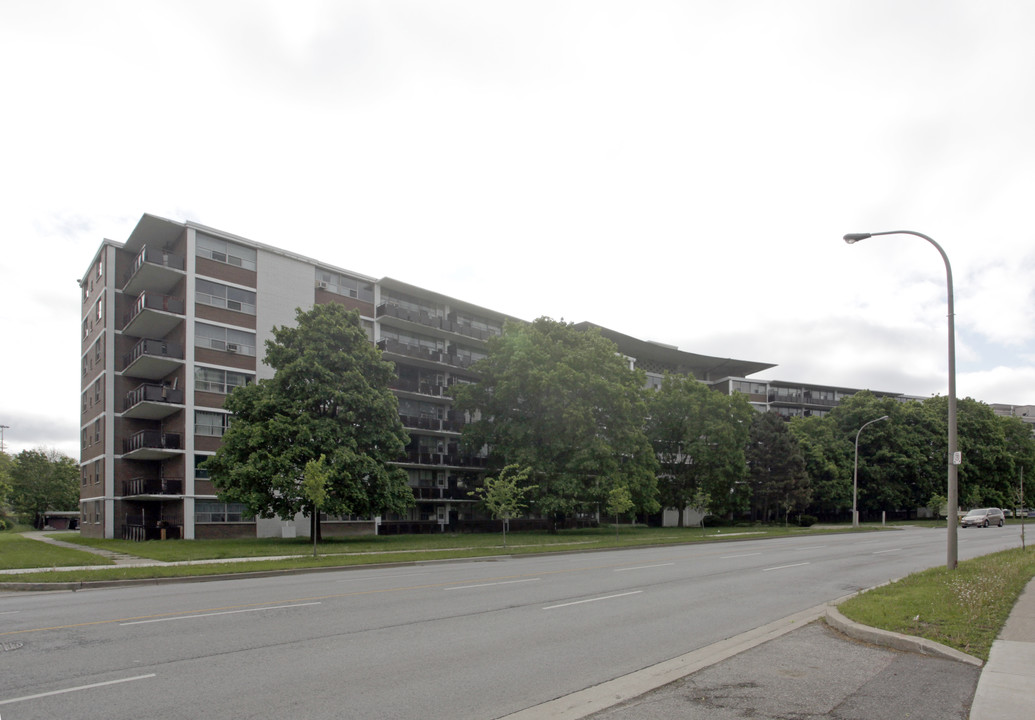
964	609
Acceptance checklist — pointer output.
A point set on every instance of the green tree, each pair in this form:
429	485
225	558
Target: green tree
776	468
827	464
314	487
565	403
699	437
6	465
43	480
504	496
619	502
329	397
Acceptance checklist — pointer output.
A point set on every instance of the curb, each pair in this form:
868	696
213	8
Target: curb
896	641
600	697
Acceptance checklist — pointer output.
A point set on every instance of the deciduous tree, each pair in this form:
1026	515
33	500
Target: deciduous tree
504	496
564	402
699	437
328	397
43	480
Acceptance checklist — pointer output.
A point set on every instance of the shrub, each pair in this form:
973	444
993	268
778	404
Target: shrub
807	520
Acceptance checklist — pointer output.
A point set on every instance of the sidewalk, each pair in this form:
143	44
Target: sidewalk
1007	685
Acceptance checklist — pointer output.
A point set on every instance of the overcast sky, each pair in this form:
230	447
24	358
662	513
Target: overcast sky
677	171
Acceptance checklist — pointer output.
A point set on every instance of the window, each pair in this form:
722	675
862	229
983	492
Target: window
344	285
200	472
215	380
213	424
215	337
224	296
225	252
218	512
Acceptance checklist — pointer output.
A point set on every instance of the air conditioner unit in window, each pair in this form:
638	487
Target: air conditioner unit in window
231	347
233	305
321	284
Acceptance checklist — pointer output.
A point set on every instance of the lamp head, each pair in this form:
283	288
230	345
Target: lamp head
852	238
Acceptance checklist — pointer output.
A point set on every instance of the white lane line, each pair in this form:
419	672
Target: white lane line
730	557
811	547
502	582
74	689
213	614
781	567
880	552
9	612
580	602
383	577
643	567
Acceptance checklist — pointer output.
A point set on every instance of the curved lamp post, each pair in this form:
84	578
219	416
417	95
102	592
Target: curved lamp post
954	457
855	474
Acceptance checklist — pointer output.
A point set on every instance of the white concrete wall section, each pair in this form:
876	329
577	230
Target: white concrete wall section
284	284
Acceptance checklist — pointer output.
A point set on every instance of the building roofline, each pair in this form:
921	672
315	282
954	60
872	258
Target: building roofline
650	350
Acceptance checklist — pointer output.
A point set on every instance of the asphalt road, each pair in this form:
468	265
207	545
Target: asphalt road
440	640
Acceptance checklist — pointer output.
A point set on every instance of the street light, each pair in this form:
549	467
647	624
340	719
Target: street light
2	428
855	474
953	455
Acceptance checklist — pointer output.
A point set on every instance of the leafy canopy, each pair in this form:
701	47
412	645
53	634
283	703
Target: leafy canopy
42	480
699	437
328	398
564	402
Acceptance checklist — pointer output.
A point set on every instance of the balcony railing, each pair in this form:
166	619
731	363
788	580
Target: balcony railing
154	301
153	349
138	532
152	486
154	269
152	440
418	386
151	392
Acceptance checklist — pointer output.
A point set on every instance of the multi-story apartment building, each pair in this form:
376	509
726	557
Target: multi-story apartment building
178	315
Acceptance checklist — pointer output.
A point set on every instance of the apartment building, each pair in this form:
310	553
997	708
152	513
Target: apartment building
177	316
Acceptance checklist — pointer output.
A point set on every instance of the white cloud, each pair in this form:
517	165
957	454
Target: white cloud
677	171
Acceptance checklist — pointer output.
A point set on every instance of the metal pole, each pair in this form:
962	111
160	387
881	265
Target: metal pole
951	552
855	474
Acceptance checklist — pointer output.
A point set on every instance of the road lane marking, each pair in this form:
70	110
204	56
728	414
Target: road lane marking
75	689
490	584
781	567
730	557
880	552
811	547
213	614
9	612
643	567
580	602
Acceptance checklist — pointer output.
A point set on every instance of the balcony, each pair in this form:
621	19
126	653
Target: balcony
420	387
426	319
155	270
152	359
144	487
152	402
414	351
152	445
153	316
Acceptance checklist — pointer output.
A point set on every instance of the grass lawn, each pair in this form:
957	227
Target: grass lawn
964	609
336	552
19	552
484	543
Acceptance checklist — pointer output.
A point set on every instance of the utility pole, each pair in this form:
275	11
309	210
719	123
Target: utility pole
3	448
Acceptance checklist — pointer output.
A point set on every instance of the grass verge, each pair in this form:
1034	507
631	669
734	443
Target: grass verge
19	552
964	609
369	549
